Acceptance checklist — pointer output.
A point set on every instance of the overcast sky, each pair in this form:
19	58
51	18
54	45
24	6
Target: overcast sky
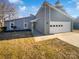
26	7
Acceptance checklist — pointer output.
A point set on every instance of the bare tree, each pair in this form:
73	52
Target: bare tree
7	11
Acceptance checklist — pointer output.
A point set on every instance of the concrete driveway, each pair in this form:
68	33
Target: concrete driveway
70	37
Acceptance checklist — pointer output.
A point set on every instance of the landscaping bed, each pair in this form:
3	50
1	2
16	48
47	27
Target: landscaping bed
15	34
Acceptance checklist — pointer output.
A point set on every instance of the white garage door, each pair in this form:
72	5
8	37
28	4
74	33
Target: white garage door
58	27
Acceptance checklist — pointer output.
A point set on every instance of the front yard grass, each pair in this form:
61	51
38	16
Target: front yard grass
27	48
15	48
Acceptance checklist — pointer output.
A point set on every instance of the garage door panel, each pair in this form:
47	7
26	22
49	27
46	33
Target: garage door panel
58	27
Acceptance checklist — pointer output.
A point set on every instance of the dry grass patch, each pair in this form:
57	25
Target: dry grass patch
28	49
11	49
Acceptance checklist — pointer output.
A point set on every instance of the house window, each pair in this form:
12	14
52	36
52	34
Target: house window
50	25
56	25
25	25
53	25
12	25
61	25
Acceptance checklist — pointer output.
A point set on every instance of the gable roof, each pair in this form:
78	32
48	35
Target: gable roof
53	7
49	5
17	19
28	18
58	10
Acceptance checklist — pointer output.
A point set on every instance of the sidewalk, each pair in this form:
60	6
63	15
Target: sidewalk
70	37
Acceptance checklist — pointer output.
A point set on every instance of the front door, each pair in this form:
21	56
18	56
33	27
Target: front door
33	26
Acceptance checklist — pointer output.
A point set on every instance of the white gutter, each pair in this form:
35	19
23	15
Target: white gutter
34	20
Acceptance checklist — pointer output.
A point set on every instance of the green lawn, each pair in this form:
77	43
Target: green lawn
28	49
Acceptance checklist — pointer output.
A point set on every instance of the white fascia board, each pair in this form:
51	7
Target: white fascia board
34	20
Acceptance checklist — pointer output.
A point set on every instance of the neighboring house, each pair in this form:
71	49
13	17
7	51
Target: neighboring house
48	20
76	23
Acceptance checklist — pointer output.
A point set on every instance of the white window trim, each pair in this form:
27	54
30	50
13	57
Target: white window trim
24	25
13	24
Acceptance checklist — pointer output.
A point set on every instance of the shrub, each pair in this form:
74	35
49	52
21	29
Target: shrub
3	29
14	27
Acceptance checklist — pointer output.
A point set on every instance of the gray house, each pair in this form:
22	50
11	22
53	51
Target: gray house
19	24
48	20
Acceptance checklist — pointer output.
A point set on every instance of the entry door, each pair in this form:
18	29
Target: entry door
34	25
59	27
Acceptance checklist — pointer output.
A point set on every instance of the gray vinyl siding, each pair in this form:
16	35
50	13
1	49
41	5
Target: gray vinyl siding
46	15
7	24
57	16
19	23
40	23
53	15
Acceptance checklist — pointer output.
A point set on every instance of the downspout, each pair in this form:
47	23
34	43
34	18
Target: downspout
32	27
49	21
72	25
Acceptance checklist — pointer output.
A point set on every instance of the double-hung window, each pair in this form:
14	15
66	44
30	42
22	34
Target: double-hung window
25	25
12	24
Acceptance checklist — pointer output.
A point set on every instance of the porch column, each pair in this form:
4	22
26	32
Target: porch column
32	27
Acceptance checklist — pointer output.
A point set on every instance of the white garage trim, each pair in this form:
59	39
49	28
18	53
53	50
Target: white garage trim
59	27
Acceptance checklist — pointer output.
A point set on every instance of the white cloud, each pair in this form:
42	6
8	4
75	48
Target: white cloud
77	5
75	15
14	1
34	9
23	11
26	10
22	8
